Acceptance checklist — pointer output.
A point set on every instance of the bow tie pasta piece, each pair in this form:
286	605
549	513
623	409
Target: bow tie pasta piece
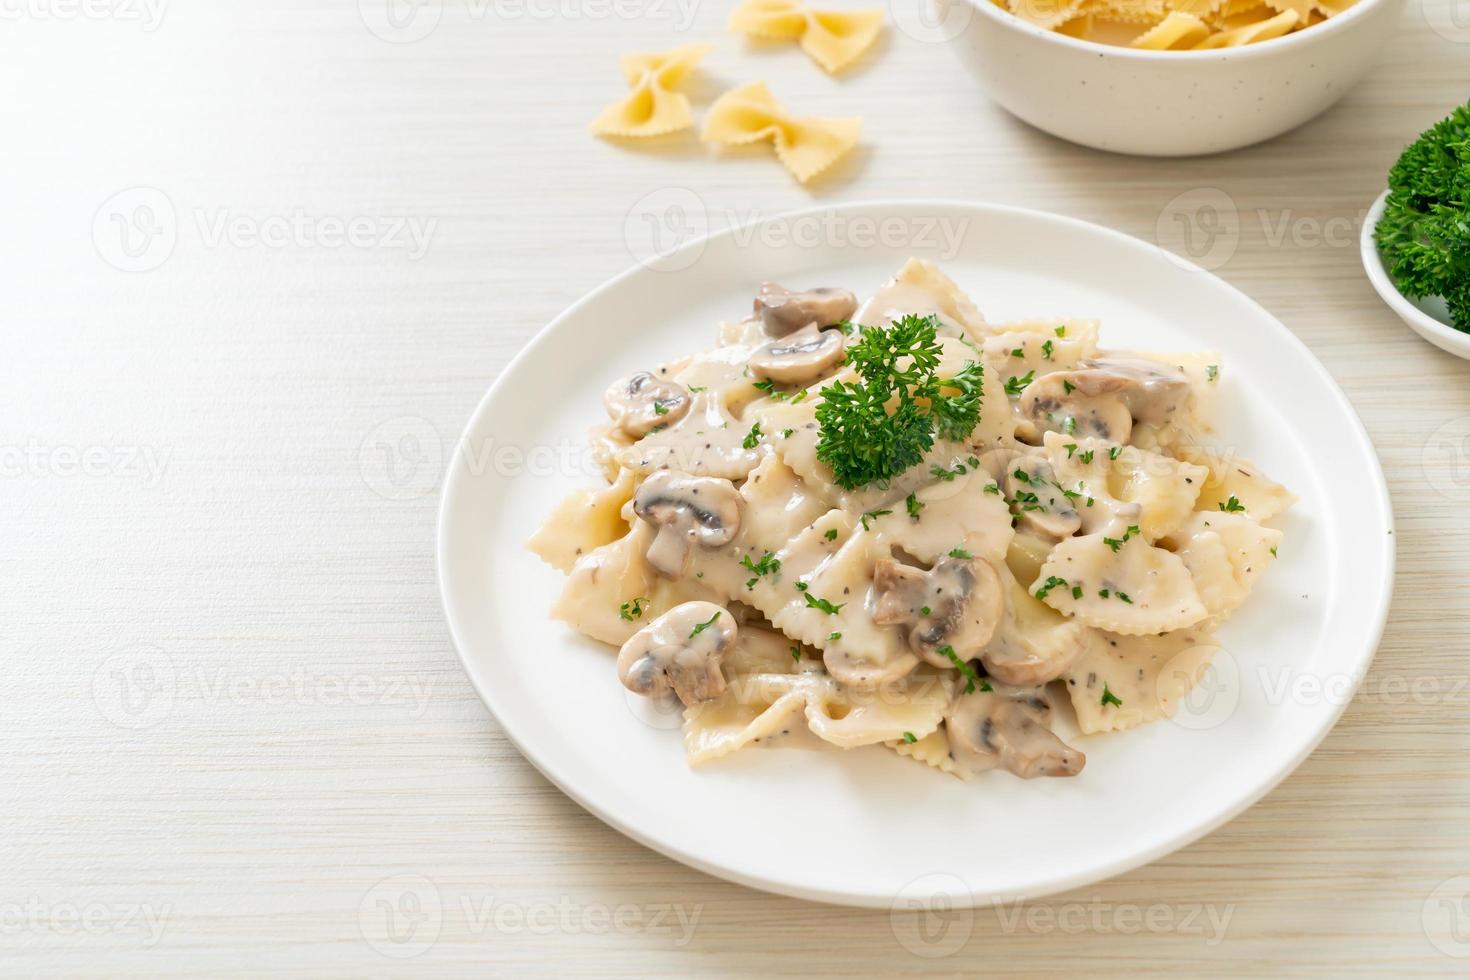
1033	644
1122	586
806	147
922	289
1175	32
832	38
653	108
1046	14
1234	479
612	592
1225	554
932	750
1039	347
1252	32
584	521
1126	681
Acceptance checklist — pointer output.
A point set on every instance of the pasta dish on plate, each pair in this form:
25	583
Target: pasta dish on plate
901	524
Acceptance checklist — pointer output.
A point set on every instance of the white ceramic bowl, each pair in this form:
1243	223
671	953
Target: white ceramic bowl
1426	317
1165	103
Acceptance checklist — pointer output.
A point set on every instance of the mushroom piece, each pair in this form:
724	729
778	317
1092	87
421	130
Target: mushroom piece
679	651
801	358
640	403
783	311
1009	728
688	511
1040	503
956	604
1105	396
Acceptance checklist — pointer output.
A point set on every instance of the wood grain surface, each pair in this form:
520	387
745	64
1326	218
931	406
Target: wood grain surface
236	738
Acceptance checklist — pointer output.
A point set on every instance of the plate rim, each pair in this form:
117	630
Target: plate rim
1057	883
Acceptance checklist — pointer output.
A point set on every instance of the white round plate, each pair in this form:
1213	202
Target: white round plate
866	827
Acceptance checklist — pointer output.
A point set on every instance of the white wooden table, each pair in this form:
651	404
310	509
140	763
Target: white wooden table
236	737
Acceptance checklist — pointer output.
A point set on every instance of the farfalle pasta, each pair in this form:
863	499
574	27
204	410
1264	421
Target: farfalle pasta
653	107
900	524
833	39
806	146
1175	25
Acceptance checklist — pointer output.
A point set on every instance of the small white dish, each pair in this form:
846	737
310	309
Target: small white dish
1166	103
1428	317
866	827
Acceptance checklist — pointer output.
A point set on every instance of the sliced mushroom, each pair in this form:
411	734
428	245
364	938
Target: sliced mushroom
1009	728
956	604
803	357
1104	397
1080	403
1039	502
688	511
640	403
679	651
783	311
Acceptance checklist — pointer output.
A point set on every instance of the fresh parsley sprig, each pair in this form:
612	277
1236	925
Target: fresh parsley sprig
875	428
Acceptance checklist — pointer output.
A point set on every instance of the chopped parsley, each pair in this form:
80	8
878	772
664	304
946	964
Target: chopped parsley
696	389
1019	352
1273	551
993	488
872	515
1068	386
1022	475
973	680
1115	452
752	438
768	386
834	636
831	534
875	428
946	475
1212	372
913	505
1014	386
768	564
1046	350
1109	697
1076	592
796	652
925	611
1062	330
1052	582
909	738
1125	598
959	552
700	628
787	433
659	408
822	604
1071	448
630	611
1116	543
1087	456
1233	506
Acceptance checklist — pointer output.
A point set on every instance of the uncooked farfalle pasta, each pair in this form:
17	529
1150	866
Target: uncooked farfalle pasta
805	146
902	524
833	38
1175	25
653	107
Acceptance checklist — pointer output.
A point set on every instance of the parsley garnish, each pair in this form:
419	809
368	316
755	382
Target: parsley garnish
1114	452
1233	506
1022	475
1062	330
872	515
1071	448
767	385
796	652
753	438
974	680
1046	350
1212	372
1125	598
913	505
959	552
831	534
630	611
768	564
1052	582
1014	386
1068	386
909	738
787	433
659	408
1087	456
863	439
696	389
822	604
1110	698
703	626
993	488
